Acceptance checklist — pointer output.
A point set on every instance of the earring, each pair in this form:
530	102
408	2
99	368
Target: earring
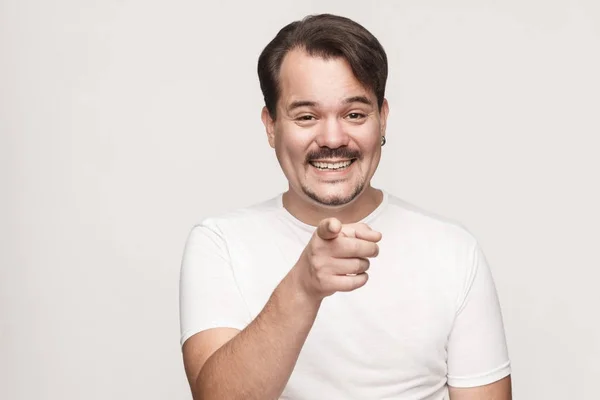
383	141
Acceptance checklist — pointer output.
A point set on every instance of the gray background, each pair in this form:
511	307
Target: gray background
123	123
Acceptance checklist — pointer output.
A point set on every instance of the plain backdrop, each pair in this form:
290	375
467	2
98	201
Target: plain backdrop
124	123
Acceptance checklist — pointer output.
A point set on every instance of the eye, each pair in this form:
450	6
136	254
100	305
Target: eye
306	120
356	115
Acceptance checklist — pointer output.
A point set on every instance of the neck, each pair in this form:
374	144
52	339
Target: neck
312	213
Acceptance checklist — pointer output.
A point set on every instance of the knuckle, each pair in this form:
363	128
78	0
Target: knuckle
365	278
310	255
319	279
315	244
318	248
361	266
355	282
366	265
317	262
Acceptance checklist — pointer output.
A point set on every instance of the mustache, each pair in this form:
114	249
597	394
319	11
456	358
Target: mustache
326	152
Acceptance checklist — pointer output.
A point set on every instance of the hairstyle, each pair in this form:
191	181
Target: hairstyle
326	36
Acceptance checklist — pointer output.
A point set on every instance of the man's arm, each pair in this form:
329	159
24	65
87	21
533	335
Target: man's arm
477	349
257	362
499	390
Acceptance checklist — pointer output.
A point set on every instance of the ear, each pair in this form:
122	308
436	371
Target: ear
383	114
269	126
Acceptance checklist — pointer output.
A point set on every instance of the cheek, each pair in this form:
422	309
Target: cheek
369	142
292	146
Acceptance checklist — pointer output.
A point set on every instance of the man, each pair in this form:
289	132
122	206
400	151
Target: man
276	301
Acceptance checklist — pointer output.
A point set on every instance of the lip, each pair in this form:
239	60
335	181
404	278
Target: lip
332	174
327	160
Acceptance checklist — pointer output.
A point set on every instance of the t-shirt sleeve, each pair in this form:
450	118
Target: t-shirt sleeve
208	294
477	351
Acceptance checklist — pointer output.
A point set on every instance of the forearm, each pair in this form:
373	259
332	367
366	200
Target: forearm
257	363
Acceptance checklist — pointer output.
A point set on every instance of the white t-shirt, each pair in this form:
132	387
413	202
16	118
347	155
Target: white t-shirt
428	316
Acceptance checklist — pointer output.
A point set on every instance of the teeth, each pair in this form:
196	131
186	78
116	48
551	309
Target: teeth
331	166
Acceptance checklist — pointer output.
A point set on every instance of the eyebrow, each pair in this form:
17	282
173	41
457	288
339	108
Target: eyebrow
301	103
307	103
358	99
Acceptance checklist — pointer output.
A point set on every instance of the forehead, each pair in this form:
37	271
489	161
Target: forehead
313	78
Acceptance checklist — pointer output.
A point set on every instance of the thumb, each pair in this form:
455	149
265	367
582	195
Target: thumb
329	228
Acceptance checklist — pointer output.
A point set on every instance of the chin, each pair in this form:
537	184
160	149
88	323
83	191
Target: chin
333	198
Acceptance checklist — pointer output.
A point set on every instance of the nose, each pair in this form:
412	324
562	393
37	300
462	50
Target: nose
332	134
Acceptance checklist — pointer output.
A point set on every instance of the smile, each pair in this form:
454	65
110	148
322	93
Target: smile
331	166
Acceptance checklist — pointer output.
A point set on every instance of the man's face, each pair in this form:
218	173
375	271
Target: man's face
327	135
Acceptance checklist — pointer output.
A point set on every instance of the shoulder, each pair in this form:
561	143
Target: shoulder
242	219
426	224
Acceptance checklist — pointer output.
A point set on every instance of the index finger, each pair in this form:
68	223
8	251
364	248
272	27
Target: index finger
368	234
361	231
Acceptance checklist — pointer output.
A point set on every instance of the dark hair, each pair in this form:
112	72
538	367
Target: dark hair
325	36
